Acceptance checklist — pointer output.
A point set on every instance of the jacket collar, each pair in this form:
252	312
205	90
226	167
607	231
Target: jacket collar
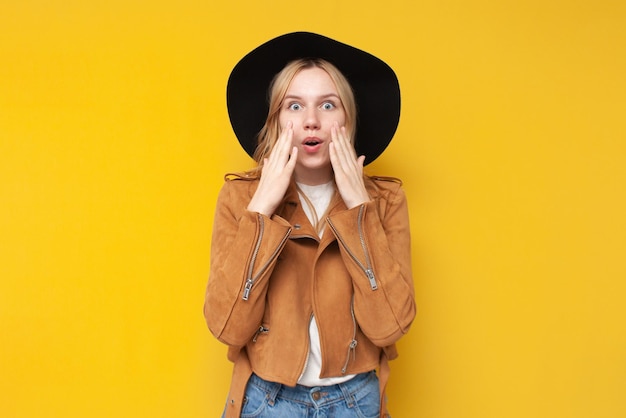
291	210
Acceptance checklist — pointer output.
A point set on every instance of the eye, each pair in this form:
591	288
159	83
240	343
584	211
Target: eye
328	106
294	106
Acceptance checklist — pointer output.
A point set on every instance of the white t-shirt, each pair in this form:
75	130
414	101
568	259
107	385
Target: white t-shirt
320	197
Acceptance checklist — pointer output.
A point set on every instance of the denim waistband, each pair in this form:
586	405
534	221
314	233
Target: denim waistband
352	390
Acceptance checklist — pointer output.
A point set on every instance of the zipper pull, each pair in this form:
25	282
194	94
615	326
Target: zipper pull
351	349
371	278
246	290
261	329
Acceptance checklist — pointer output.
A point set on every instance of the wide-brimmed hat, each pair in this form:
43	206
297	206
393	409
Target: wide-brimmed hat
375	86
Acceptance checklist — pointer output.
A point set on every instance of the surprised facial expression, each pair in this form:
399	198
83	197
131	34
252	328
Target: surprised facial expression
313	105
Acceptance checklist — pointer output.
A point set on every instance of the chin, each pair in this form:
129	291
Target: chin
315	164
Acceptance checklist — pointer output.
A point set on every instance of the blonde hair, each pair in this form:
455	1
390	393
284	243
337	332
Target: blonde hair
278	89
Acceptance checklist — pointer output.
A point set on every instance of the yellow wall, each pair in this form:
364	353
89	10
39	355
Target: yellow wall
114	138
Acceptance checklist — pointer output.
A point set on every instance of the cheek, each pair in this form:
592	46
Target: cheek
284	118
341	118
281	120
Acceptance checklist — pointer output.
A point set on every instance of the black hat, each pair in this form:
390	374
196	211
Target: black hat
375	86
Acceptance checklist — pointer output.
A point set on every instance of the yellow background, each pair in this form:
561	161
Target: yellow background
114	138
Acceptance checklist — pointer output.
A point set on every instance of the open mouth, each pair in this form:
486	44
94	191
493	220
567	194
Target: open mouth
312	144
311	141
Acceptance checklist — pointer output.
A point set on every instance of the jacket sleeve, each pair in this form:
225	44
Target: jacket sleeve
375	244
244	249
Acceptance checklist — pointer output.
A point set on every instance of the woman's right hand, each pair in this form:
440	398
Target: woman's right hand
276	175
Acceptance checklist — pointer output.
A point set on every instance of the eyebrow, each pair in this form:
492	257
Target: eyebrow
322	97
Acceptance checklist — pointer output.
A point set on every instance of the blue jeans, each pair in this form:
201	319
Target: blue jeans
356	398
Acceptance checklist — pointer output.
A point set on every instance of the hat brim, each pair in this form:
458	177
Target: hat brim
375	86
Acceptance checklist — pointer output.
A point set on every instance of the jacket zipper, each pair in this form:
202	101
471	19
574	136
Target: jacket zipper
308	351
353	343
251	280
367	269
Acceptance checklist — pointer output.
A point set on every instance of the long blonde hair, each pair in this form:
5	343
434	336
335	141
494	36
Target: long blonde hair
278	89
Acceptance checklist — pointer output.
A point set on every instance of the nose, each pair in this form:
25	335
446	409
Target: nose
311	120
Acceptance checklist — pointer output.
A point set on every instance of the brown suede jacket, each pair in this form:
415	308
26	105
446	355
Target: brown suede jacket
268	277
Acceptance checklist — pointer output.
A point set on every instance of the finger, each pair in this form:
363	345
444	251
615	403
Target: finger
334	149
344	152
341	168
281	150
293	158
339	142
348	143
361	161
284	139
346	147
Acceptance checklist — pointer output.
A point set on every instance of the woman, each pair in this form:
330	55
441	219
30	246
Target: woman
310	283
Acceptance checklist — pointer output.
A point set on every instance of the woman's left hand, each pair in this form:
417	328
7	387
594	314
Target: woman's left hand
348	168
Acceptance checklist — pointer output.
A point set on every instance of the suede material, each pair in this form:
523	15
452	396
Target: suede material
296	274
